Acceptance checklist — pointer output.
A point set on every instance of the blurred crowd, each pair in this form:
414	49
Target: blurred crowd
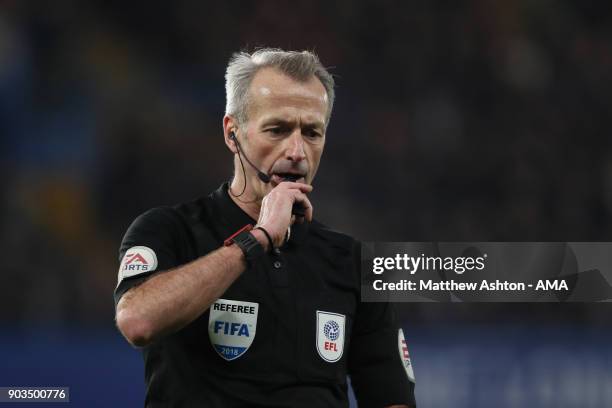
454	121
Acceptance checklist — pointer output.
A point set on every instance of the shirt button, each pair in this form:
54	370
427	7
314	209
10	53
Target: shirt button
278	264
277	251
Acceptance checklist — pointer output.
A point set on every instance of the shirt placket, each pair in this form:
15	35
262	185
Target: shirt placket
280	278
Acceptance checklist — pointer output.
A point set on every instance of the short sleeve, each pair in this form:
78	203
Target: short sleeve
379	364
149	245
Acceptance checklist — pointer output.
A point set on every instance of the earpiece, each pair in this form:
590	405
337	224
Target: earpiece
233	138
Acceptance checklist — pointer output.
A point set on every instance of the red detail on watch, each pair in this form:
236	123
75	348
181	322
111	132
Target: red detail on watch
229	241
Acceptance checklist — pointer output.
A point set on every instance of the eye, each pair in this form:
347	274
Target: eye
277	130
312	134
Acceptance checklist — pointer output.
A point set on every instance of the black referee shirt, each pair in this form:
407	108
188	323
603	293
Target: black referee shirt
285	334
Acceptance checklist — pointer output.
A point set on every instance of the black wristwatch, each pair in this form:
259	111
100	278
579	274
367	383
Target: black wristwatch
246	241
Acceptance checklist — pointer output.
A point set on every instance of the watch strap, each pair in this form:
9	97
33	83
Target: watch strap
247	242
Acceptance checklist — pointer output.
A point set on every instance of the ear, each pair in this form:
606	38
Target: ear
230	126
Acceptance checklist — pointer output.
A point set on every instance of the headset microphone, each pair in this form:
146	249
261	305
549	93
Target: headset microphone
298	209
262	176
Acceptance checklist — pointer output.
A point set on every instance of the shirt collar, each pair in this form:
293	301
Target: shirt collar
230	214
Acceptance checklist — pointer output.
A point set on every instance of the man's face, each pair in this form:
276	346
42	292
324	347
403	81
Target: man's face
285	132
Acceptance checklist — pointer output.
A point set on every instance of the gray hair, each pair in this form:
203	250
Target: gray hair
242	67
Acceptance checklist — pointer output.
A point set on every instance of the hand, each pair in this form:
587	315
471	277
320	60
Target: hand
275	214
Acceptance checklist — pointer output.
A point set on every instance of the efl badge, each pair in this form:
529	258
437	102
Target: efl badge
404	355
330	335
137	260
231	327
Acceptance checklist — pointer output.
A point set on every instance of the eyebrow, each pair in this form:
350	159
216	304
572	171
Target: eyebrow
291	123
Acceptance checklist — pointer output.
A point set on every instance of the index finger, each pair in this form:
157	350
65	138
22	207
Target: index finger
304	188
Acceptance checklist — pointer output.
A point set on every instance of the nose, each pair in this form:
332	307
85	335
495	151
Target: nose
295	149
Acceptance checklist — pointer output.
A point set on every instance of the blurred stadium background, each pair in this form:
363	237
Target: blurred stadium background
454	121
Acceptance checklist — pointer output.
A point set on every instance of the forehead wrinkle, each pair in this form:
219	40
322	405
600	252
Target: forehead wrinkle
307	119
304	109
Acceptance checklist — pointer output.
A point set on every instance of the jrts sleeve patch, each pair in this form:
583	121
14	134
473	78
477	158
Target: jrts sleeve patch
404	354
137	260
231	327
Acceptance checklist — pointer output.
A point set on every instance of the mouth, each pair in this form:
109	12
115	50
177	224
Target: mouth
278	178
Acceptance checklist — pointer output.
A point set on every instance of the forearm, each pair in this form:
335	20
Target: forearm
170	300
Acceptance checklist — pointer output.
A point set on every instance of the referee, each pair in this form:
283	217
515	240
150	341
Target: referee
240	298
